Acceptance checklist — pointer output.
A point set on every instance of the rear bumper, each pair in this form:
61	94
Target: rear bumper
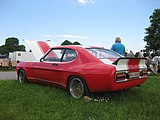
127	84
111	85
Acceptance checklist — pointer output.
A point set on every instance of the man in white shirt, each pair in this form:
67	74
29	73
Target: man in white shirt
155	61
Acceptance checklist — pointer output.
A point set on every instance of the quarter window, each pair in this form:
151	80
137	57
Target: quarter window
69	55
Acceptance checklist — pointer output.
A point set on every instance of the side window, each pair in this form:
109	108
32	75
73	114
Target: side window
69	55
54	55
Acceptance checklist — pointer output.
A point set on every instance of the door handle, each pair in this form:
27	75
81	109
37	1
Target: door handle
55	64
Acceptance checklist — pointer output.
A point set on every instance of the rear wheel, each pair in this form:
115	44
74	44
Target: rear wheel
77	87
22	78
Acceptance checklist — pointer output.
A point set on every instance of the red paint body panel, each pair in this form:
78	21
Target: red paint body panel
99	77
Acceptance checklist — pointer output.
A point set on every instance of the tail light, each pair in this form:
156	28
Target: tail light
126	75
120	76
144	73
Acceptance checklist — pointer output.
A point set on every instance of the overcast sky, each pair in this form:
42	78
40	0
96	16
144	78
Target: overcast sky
90	22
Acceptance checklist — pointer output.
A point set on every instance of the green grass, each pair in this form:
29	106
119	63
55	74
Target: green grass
38	102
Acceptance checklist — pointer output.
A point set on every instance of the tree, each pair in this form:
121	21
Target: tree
11	44
76	43
66	42
153	32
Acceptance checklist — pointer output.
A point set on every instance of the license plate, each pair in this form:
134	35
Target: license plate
134	74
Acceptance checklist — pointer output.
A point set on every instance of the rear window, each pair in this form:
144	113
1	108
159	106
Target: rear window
101	53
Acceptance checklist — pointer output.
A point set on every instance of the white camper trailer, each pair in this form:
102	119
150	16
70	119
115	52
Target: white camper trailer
21	56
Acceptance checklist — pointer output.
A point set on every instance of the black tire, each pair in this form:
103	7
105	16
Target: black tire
77	87
22	78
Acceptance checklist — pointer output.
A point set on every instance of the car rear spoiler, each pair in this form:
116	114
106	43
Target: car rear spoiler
130	63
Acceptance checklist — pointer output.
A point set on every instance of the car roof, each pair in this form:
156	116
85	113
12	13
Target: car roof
76	46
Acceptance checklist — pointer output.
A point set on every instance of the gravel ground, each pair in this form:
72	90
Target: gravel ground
8	75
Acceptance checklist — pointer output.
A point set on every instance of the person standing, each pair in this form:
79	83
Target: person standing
118	46
148	61
155	61
141	54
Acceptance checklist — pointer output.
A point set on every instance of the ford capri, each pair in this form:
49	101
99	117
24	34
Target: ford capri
82	70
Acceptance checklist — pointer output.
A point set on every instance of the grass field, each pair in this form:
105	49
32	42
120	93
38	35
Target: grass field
38	102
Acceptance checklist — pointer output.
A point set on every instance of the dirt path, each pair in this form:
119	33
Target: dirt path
8	75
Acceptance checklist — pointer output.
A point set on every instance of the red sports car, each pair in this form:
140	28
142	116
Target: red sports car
83	70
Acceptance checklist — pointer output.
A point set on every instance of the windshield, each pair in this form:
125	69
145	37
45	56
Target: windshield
101	53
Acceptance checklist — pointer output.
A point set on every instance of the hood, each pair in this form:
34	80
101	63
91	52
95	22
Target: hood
39	48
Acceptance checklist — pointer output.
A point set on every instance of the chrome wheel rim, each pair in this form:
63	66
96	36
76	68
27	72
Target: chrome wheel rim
76	88
21	77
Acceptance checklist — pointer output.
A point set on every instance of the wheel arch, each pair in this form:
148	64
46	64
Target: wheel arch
72	76
20	74
19	71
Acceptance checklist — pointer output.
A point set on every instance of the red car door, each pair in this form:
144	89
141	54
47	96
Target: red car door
47	69
65	67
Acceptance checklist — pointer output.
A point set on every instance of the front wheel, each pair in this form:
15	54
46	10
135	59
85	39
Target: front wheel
77	87
22	78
